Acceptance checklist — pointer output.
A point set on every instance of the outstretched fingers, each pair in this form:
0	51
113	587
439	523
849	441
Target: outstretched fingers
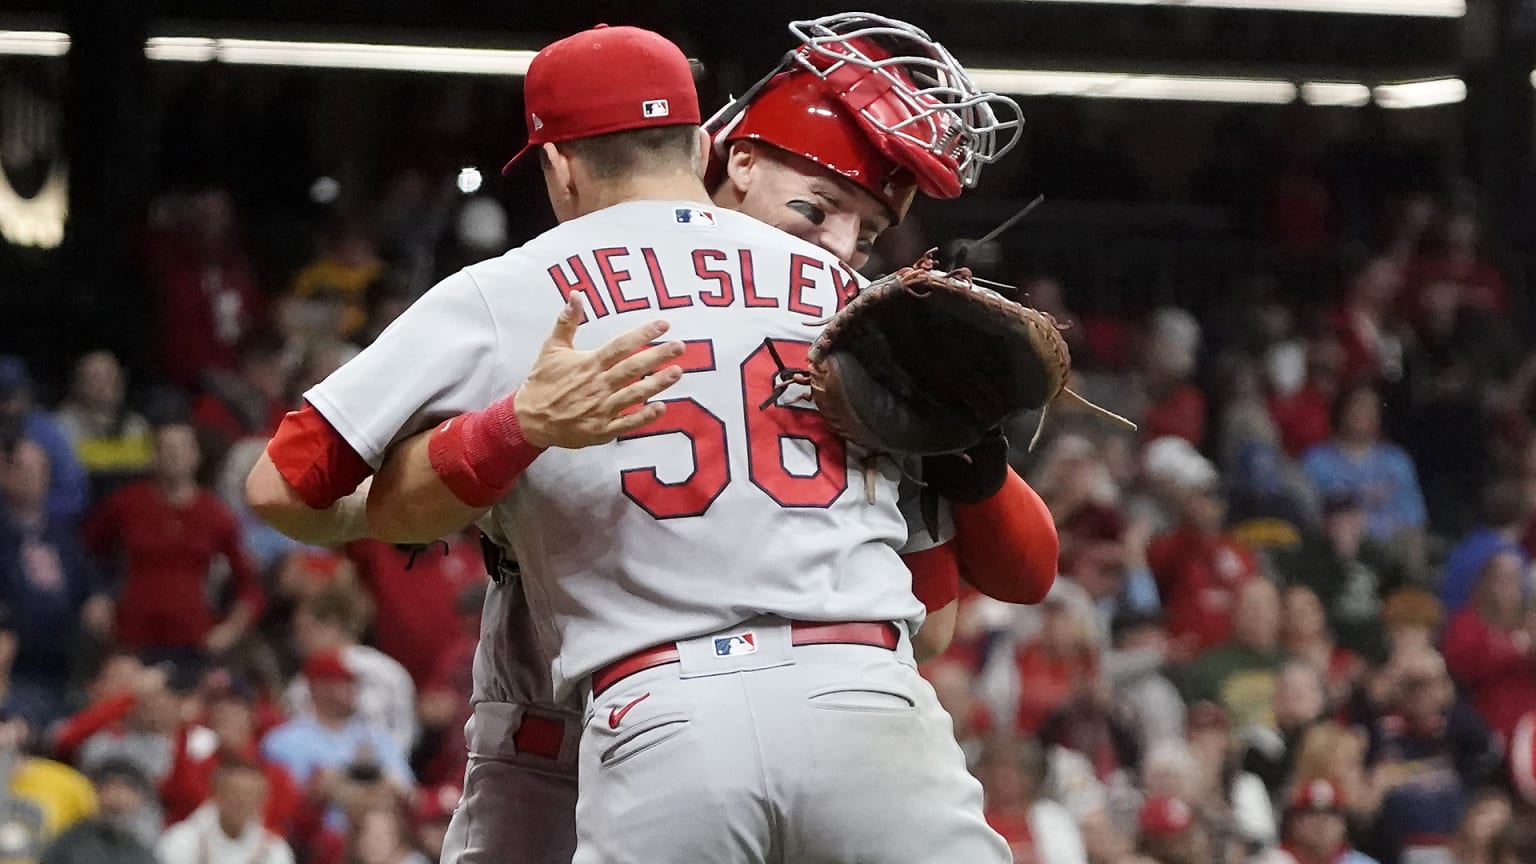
625	344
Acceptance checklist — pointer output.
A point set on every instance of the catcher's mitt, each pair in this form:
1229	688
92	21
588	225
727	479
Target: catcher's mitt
924	362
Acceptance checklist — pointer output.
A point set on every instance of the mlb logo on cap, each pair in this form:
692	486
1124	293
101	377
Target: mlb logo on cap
654	108
692	216
736	645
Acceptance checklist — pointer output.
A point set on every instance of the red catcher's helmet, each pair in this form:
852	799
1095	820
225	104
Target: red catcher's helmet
878	101
794	114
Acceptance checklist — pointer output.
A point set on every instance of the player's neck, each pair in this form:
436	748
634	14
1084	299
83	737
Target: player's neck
652	187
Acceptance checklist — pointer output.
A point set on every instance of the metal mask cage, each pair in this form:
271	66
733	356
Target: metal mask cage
949	115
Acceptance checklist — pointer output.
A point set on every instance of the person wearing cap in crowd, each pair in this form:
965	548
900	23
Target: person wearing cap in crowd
68	485
1239	675
124	830
812	207
1349	572
227	727
1314	830
317	750
1198	567
228	827
1170	834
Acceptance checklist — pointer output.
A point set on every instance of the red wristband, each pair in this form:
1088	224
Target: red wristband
480	455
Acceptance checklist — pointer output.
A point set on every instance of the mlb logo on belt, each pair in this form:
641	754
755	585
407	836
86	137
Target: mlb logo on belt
692	216
736	645
655	108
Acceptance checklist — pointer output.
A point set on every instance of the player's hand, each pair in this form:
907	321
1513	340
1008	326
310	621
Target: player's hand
577	398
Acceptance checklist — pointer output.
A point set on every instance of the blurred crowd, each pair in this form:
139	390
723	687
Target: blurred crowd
1294	622
180	683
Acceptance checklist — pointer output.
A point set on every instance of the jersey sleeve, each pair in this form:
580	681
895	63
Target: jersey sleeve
438	359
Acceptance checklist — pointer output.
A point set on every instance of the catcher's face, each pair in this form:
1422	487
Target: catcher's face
799	197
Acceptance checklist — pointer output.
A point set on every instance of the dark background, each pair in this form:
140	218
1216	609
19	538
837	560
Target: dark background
1144	199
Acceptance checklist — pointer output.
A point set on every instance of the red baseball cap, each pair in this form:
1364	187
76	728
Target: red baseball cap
607	79
1165	816
327	666
1318	796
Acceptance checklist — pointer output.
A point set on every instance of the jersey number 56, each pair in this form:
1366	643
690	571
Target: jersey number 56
766	429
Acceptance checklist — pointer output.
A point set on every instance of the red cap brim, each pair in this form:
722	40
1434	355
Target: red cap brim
513	161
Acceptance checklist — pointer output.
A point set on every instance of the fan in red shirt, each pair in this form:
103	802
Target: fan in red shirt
228	728
1199	570
168	532
1489	647
414	596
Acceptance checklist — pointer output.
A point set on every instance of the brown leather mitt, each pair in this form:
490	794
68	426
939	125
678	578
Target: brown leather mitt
924	362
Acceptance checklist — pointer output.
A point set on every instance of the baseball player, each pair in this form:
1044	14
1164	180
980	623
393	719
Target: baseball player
502	681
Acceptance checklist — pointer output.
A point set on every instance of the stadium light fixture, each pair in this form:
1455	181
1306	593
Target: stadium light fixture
1115	85
341	55
1421	94
1339	94
1414	8
36	43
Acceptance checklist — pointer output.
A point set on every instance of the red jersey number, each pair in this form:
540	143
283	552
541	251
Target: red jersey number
767	429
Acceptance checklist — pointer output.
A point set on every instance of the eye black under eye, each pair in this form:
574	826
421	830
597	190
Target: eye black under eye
815	215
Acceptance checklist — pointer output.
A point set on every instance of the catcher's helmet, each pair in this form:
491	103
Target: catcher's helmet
877	101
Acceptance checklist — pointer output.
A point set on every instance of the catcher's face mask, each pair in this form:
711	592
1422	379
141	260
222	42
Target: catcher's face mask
912	102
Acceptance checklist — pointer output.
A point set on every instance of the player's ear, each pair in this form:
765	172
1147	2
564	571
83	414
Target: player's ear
740	161
557	166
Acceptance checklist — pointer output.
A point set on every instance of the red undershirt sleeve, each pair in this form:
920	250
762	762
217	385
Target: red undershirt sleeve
1007	544
935	575
315	459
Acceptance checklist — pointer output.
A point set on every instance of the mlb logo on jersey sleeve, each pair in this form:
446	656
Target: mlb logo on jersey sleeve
694	216
655	108
736	645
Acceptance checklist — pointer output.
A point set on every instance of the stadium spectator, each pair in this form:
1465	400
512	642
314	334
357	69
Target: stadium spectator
247	402
1426	755
1170	833
47	582
1233	803
227	828
1364	325
227	730
1357	460
1487	815
68	484
1300	703
1301	397
1239	675
123	832
1170	403
135	725
1349	573
206	290
332	622
381	836
1454	254
42	798
111	440
1059	663
1200	570
434	809
1334	752
955	686
1503	518
336	283
414	595
1489	645
1304	635
1136	672
1315	829
317	751
1038	830
168	532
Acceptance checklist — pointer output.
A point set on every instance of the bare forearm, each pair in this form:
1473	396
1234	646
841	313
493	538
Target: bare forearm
409	503
278	504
